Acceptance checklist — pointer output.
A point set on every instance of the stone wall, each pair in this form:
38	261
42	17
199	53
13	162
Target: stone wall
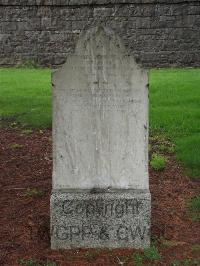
158	32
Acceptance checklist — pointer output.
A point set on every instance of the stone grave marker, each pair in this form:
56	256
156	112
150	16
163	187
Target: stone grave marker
100	195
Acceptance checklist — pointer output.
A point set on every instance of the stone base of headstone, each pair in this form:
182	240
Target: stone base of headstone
100	219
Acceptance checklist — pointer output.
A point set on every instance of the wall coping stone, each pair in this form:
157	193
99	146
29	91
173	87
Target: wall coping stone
88	2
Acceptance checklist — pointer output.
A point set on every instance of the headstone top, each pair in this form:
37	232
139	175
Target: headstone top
98	38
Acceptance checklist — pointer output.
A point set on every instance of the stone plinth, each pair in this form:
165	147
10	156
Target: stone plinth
91	219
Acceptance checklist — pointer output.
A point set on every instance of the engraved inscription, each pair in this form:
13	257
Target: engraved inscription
83	232
105	98
114	209
97	232
85	220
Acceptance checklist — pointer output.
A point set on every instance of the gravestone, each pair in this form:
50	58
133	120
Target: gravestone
100	195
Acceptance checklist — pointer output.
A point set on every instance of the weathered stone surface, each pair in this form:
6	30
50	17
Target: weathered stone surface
100	117
158	32
100	219
100	133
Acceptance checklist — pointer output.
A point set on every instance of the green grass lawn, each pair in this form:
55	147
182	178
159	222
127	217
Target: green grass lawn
175	112
25	97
